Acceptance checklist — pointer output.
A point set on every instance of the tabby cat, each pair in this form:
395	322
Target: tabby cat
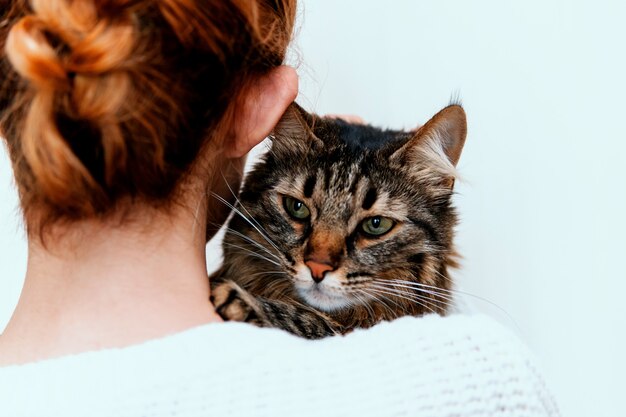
343	225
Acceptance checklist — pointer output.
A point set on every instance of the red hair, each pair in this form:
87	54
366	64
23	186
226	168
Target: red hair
109	100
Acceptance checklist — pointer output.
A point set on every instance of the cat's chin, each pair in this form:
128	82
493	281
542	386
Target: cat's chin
320	299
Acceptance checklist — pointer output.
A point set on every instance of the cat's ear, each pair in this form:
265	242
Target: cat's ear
435	148
294	132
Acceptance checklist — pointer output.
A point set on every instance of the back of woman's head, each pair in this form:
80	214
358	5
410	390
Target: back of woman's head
109	101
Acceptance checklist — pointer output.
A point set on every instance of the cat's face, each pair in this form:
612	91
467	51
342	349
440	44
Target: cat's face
347	213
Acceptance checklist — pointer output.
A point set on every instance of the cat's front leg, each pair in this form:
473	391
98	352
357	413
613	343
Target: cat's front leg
233	303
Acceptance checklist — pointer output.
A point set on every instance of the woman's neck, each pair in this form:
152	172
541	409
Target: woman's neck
99	286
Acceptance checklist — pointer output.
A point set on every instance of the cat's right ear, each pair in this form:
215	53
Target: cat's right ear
294	132
434	151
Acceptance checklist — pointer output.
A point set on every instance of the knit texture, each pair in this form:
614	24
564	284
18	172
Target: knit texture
455	366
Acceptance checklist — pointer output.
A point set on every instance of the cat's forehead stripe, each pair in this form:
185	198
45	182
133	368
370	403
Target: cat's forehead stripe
309	186
370	198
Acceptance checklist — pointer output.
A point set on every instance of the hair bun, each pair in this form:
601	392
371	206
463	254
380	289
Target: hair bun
32	56
74	55
93	43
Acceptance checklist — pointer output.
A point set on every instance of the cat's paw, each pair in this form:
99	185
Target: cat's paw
233	303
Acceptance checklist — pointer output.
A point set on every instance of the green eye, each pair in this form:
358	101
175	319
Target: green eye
377	226
296	208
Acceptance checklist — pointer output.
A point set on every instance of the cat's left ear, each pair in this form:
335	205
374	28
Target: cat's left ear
293	135
436	147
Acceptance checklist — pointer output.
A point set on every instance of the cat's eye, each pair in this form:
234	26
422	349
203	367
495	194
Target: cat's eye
296	208
376	226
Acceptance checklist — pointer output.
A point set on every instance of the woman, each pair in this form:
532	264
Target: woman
121	118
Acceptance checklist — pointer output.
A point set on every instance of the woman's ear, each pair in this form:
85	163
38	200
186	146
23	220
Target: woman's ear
262	107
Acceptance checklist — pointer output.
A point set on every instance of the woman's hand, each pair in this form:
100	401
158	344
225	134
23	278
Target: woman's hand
350	118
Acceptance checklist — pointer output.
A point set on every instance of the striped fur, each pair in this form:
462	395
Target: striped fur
343	173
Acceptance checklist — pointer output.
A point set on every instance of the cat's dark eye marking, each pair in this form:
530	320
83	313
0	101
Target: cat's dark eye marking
370	199
296	208
306	232
416	261
359	274
289	258
426	227
309	185
326	179
350	242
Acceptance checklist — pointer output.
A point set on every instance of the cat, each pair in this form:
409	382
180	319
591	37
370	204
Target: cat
343	225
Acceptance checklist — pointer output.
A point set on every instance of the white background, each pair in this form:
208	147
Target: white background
543	201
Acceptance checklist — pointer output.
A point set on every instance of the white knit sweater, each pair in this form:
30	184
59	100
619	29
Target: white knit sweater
456	366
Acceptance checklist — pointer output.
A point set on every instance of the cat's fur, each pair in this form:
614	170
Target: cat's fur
343	173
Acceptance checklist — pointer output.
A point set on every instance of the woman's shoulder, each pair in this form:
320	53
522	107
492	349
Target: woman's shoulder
410	365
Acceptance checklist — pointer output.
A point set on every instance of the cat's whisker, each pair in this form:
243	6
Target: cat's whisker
414	292
252	253
277	288
400	306
445	278
401	295
441	298
406	298
432	302
446	301
416	287
242	206
446	292
356	301
248	239
252	241
363	302
425	301
450	293
381	302
236	210
268	273
435	289
377	297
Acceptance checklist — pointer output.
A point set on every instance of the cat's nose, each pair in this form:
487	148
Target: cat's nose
318	270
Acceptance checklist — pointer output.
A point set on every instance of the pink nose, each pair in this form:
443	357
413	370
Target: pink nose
318	270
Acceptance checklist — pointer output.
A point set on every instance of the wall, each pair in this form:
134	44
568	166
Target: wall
543	196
